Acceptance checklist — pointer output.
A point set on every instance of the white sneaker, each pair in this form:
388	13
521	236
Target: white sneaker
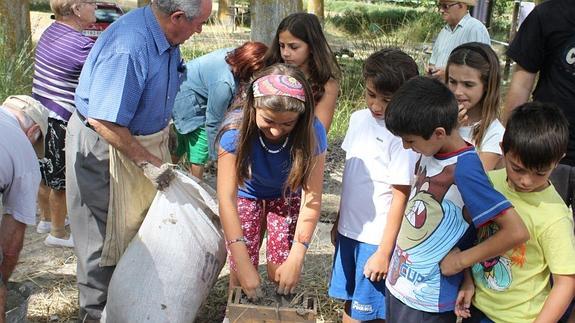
52	241
46	226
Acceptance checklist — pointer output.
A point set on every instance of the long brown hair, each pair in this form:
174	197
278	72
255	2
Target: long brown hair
302	137
481	57
322	63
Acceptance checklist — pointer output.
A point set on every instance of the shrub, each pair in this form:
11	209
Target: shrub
422	29
362	19
16	68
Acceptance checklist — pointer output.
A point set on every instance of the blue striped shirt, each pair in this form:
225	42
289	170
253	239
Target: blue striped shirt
131	75
60	55
467	30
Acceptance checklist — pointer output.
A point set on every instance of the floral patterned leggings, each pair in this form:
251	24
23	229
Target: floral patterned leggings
279	216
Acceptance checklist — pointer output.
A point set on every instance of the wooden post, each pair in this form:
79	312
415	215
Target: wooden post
15	23
316	7
227	13
512	32
266	16
490	5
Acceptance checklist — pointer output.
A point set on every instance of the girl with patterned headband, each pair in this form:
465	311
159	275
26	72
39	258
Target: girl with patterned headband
271	159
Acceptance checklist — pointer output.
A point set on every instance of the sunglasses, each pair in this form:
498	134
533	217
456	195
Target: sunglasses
446	6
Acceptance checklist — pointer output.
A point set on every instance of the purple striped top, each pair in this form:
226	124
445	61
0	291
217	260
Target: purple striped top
60	55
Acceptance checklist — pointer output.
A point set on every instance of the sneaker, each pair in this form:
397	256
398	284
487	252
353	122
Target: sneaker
46	226
52	241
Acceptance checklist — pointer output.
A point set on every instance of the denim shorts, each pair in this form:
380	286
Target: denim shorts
367	298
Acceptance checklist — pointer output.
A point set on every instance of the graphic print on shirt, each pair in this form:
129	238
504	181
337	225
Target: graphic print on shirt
568	61
430	227
495	273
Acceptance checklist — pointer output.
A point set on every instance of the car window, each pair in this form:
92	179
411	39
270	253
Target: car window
107	15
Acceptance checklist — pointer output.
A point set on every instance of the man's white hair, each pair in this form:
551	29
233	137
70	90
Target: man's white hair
191	8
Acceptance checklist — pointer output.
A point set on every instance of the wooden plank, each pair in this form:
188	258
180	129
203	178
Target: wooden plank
304	310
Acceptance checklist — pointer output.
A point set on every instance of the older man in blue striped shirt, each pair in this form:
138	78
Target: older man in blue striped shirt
461	28
118	134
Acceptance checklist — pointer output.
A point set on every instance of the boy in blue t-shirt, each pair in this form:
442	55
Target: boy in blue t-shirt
451	192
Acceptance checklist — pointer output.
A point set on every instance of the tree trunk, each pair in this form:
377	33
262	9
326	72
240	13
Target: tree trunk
15	23
266	15
226	12
316	7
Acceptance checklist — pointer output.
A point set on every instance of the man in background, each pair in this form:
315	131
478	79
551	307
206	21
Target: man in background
460	28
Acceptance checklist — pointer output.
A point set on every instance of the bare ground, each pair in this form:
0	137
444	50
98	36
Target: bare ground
51	272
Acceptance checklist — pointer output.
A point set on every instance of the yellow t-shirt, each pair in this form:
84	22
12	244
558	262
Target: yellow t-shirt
514	287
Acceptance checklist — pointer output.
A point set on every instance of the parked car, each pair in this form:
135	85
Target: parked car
106	13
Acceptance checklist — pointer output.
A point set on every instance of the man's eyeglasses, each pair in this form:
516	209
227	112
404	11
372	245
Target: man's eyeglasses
446	6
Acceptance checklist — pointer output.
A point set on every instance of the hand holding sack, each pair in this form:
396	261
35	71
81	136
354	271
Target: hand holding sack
159	176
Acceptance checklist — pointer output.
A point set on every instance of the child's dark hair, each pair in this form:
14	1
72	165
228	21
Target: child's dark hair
538	134
482	58
388	69
302	136
322	63
420	106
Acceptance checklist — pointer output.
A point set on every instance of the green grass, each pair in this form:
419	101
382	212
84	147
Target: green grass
16	68
37	5
422	29
351	97
366	18
341	6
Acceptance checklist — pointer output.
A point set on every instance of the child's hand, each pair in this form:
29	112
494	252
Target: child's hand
463	302
249	280
333	234
333	231
462	115
451	264
437	73
375	268
287	275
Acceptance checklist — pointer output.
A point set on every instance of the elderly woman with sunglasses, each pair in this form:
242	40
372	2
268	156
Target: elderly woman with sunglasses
60	56
460	29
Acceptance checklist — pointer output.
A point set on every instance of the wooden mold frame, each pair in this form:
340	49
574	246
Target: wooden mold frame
303	308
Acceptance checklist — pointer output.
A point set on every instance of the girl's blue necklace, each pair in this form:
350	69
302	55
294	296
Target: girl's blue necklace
271	151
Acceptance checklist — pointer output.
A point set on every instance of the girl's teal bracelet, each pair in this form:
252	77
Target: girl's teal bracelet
240	239
305	244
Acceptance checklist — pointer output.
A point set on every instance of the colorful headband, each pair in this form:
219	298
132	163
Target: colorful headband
279	85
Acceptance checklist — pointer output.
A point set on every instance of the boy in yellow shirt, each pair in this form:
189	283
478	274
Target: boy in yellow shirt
516	287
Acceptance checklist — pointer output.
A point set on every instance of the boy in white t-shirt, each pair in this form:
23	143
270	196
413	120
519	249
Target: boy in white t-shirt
376	185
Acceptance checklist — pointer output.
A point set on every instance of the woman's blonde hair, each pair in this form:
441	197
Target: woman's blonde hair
63	8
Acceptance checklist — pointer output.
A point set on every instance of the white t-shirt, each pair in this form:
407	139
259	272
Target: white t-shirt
19	170
493	136
375	160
